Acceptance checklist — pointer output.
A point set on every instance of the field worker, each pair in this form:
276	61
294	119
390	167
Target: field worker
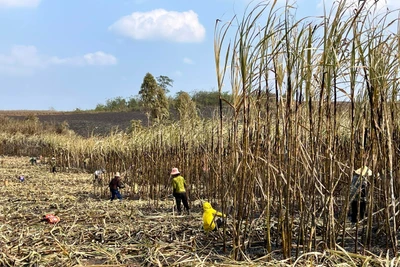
114	185
179	190
33	160
210	220
358	193
53	164
98	175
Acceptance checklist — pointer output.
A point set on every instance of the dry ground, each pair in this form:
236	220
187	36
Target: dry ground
92	230
84	123
96	232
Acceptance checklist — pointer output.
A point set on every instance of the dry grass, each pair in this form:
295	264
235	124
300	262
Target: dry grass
96	232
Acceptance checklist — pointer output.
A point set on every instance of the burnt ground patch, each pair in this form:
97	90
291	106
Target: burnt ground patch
96	123
86	124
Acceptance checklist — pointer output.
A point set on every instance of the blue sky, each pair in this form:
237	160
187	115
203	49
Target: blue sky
68	54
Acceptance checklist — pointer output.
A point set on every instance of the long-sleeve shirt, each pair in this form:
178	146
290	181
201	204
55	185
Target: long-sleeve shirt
179	184
209	215
115	183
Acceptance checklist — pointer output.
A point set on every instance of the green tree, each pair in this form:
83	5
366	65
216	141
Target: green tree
185	106
133	103
154	98
100	107
164	82
161	108
148	90
116	104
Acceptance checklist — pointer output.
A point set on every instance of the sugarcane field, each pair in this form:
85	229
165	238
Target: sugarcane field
297	165
140	230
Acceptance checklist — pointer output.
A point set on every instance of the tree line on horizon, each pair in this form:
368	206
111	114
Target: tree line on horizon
153	100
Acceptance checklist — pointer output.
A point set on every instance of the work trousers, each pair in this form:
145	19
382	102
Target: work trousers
179	198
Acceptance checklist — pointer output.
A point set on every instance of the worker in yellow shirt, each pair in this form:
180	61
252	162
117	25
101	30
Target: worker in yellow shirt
179	190
210	220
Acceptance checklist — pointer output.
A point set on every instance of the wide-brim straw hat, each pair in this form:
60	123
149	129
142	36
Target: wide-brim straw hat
175	171
363	171
117	174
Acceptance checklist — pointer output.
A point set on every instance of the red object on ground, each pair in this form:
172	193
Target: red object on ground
50	218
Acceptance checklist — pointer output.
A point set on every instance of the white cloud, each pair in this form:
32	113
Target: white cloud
26	59
161	24
188	61
19	3
26	56
100	59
